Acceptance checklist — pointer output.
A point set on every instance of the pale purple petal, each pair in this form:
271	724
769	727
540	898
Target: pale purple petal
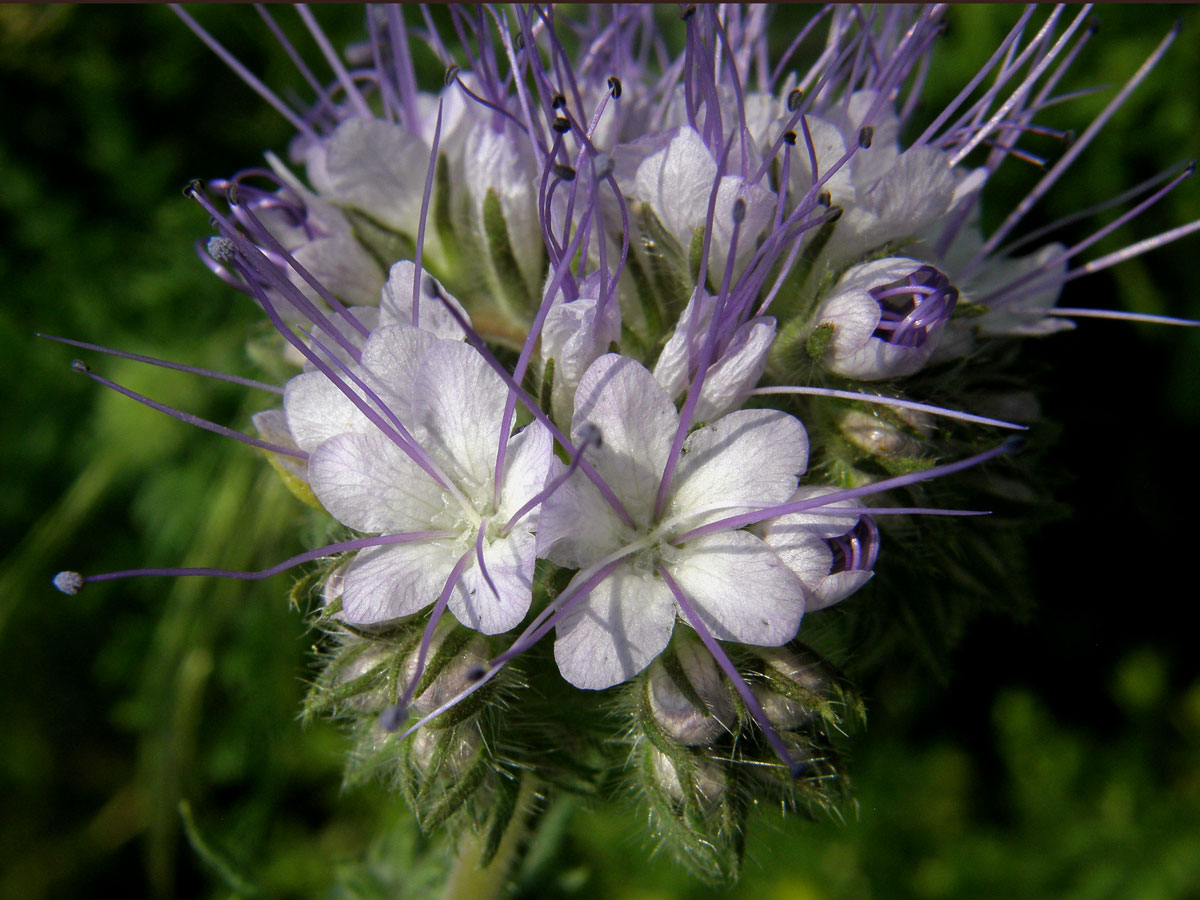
637	422
748	459
740	588
509	561
390	582
396	305
617	631
458	403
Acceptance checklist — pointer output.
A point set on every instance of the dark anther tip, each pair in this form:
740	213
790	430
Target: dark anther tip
519	41
739	211
452	71
794	98
1177	27
589	435
78	365
614	86
687	12
233	195
393	717
797	769
1068	138
866	134
68	582
475	673
566	173
192	188
1093	24
825	199
1190	169
835	213
789	138
558	102
561	124
429	286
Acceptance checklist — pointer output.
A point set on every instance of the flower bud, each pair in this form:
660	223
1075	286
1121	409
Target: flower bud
887	317
707	780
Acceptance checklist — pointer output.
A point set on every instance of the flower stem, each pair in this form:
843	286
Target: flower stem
468	879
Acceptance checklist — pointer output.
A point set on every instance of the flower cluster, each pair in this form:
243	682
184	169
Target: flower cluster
586	342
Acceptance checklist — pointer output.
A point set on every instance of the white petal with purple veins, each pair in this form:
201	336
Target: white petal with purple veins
740	588
371	485
390	582
615	633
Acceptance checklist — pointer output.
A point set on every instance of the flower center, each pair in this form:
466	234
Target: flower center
912	308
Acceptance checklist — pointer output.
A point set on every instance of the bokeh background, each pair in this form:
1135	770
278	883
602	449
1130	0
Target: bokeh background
1052	756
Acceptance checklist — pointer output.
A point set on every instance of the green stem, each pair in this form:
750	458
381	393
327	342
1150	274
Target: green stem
470	881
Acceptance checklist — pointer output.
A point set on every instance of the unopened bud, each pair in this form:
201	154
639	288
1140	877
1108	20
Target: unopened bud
708	780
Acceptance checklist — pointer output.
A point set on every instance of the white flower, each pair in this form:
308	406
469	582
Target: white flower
452	403
574	335
742	592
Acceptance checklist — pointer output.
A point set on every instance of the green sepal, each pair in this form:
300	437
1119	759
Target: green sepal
505	794
504	275
384	245
819	340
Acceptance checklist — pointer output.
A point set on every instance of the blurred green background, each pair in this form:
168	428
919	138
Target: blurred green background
1057	757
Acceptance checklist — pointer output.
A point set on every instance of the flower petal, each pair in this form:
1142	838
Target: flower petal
397	301
617	631
637	422
390	582
509	562
746	460
371	485
317	410
458	404
741	589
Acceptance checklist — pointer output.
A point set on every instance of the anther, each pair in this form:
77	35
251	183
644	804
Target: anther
614	86
78	365
519	42
1093	24
1013	444
452	74
794	98
429	287
192	188
590	436
789	138
1190	169
835	213
233	195
687	12
739	211
866	134
475	673
796	769
602	166
558	102
825	199
561	125
393	717
68	582
221	249
566	173
1068	138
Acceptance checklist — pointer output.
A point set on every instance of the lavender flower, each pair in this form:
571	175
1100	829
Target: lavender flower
535	312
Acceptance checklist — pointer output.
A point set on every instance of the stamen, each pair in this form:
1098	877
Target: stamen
589	436
166	364
614	86
782	509
891	401
76	581
82	368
